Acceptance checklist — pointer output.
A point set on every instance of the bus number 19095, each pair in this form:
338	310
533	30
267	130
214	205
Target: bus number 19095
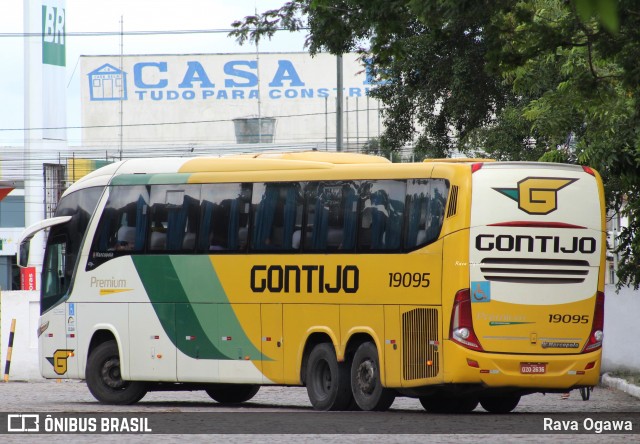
409	279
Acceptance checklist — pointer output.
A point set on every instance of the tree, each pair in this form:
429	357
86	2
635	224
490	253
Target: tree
514	80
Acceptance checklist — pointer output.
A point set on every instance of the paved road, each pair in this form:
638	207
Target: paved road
281	410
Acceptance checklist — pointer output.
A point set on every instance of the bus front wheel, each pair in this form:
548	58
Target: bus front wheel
232	393
105	380
367	387
500	404
327	379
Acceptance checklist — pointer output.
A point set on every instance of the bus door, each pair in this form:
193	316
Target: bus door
152	354
52	342
198	341
57	339
239	331
272	344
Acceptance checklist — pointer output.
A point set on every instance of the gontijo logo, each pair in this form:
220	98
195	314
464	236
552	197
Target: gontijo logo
59	360
537	195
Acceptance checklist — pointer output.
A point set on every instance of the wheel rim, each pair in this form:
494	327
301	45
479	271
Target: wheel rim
110	374
322	380
366	377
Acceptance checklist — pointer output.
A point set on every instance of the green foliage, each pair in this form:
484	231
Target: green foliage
605	10
377	147
526	80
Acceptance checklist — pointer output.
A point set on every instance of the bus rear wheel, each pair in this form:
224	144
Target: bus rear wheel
500	404
105	380
327	380
365	380
232	393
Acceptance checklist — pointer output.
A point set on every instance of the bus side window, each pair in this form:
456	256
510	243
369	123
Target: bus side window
435	213
317	216
382	215
224	217
277	216
425	203
123	224
331	216
417	204
174	215
349	216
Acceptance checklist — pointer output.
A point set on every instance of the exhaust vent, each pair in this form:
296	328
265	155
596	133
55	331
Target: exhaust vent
534	271
420	343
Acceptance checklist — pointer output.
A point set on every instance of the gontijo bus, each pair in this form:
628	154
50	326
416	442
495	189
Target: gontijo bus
456	283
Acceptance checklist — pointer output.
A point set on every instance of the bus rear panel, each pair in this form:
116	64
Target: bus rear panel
531	314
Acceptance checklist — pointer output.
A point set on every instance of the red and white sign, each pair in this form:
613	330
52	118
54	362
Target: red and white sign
4	191
28	278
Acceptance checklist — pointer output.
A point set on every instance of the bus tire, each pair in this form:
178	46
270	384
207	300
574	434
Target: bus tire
105	380
327	379
232	393
365	380
500	404
448	404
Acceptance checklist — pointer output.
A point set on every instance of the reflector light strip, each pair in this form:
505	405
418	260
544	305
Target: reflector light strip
535	224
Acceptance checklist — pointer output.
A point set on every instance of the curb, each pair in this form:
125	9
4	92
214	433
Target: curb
620	384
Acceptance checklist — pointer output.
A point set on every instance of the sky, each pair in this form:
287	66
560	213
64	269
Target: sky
136	15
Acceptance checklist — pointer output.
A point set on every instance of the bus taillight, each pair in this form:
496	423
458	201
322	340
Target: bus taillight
461	327
597	329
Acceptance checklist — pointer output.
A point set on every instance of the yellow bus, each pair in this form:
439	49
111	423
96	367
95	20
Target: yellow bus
455	282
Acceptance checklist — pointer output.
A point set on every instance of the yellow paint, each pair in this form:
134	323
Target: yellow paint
60	361
539	195
110	291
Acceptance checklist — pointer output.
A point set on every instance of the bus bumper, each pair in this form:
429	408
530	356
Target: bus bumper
539	372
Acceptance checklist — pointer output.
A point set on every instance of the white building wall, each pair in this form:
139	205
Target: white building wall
194	98
24	307
621	329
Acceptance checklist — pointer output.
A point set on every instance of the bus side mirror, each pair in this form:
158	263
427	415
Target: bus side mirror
23	252
29	232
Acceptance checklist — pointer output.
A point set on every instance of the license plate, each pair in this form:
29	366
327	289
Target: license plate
533	368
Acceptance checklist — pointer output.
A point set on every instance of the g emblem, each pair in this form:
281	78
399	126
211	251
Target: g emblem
59	360
537	195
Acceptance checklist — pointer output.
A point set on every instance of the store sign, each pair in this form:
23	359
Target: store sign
28	278
213	78
53	35
196	98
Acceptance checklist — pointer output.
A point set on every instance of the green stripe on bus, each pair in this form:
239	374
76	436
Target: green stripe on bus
202	287
151	179
201	307
199	279
163	286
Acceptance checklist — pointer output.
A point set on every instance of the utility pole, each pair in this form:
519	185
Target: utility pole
121	85
339	103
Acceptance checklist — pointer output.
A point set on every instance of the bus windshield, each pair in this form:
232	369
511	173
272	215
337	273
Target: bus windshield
63	244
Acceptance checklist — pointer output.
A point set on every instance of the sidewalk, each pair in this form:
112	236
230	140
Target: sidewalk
620	384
